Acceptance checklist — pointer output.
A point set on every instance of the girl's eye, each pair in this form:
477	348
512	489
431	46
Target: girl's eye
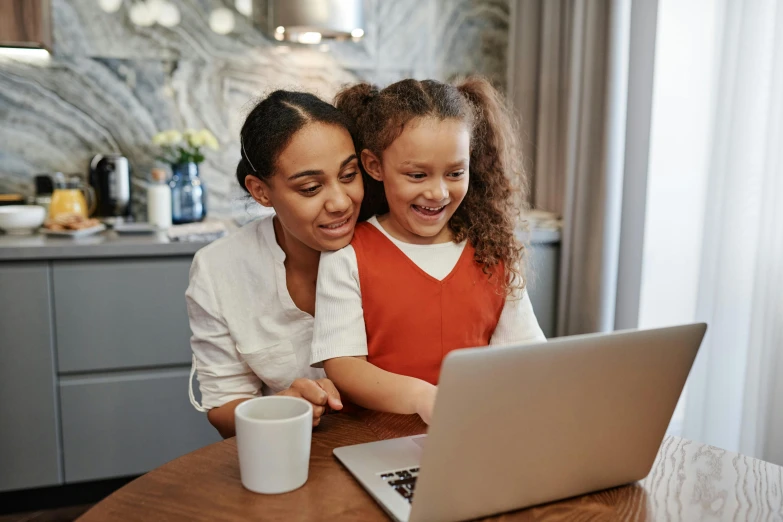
457	174
310	191
350	176
416	175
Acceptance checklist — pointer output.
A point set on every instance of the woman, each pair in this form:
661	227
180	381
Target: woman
251	296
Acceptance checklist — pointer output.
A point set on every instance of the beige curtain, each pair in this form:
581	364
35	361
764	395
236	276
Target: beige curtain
567	79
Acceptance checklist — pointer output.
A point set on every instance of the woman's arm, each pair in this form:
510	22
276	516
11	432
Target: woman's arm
368	386
225	380
321	393
222	418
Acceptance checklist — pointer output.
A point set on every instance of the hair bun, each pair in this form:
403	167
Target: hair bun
355	99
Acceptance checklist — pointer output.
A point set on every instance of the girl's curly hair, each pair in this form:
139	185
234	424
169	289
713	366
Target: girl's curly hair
497	189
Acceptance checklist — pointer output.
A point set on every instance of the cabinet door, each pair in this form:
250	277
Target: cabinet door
26	23
127	424
544	267
115	314
28	419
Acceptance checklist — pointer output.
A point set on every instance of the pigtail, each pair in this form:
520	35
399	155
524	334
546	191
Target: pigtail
356	102
490	212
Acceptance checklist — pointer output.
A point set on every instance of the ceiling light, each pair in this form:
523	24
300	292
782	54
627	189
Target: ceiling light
154	7
141	14
169	15
280	29
357	33
244	6
110	6
221	20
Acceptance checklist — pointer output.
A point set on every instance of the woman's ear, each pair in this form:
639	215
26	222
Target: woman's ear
372	165
259	190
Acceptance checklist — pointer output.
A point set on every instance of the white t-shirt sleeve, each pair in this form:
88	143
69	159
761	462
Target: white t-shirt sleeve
517	323
338	330
222	374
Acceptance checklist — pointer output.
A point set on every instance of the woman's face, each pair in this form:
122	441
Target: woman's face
316	189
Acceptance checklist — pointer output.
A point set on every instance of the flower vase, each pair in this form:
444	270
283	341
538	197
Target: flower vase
188	194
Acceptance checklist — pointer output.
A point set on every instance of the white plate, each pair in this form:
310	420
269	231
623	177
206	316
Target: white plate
74	233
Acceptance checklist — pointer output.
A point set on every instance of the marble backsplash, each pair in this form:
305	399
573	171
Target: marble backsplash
110	85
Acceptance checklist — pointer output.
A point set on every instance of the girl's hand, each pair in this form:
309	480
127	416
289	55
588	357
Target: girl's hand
425	401
321	393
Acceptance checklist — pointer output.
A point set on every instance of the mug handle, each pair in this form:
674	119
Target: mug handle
92	200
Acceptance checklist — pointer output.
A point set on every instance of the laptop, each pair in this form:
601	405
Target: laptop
522	425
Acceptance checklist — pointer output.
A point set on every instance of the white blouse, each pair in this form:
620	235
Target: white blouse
339	317
249	338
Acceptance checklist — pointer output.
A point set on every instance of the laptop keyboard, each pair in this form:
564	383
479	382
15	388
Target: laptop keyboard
403	481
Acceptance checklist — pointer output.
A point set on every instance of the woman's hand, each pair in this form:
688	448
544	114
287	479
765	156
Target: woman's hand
425	400
321	393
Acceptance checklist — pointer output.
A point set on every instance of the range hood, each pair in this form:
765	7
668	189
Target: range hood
311	21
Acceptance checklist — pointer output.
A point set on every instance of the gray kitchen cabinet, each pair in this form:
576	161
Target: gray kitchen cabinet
128	423
117	314
542	273
28	414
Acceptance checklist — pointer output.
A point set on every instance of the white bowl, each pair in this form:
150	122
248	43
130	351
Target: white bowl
21	219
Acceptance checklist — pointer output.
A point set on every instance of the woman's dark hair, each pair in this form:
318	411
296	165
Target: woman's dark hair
487	216
273	122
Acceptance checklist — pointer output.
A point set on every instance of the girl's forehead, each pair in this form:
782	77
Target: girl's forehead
431	138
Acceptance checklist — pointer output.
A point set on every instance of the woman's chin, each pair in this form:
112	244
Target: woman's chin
326	243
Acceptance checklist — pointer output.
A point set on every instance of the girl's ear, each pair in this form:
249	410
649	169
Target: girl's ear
372	165
259	190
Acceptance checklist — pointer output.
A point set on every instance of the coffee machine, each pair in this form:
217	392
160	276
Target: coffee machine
110	176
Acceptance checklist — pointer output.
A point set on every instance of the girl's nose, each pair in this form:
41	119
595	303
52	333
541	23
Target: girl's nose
437	191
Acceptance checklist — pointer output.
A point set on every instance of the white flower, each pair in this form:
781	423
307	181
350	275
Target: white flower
208	139
167	138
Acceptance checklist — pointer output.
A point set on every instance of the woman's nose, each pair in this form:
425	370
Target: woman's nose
337	201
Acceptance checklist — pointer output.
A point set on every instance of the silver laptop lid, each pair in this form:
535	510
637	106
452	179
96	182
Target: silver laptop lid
522	425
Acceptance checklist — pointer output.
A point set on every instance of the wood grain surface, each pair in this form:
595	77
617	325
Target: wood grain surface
688	482
26	23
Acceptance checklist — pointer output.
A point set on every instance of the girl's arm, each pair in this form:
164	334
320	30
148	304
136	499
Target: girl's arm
517	323
368	386
340	344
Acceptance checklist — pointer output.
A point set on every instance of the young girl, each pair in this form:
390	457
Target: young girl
441	269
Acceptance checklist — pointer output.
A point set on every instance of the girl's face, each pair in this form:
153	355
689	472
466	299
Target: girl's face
316	189
425	177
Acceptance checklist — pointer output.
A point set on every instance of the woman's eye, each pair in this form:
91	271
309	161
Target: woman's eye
416	175
350	176
309	191
457	174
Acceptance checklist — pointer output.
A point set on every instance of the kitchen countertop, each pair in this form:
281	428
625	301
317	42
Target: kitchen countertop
108	244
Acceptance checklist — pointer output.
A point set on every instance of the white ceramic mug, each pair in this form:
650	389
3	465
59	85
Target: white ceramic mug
273	441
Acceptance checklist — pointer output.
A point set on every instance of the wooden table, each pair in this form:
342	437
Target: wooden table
689	482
